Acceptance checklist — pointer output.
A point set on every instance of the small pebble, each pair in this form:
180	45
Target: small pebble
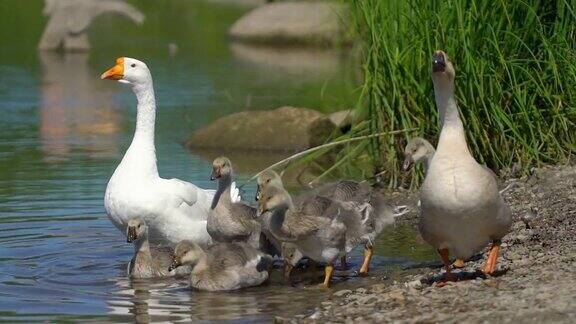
342	292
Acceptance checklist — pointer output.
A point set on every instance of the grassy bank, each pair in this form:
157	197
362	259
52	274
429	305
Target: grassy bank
516	77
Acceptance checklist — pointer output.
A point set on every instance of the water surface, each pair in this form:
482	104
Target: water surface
63	131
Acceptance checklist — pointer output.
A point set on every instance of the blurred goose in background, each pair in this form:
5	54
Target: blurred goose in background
223	266
174	210
230	219
462	209
148	262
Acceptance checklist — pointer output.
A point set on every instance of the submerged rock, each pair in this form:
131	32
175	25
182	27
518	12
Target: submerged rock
310	23
281	129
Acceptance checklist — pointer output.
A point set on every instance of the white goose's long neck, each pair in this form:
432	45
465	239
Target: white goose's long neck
452	128
141	155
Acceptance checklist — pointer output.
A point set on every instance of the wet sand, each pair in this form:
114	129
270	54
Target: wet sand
535	282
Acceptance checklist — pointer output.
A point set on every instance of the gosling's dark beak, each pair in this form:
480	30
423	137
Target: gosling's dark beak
258	191
438	61
408	163
215	174
175	264
131	236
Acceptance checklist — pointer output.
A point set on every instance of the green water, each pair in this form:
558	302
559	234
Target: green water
63	131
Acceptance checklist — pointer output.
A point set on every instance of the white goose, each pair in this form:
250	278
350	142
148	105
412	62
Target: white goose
174	210
462	210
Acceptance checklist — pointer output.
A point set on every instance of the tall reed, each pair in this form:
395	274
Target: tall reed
516	77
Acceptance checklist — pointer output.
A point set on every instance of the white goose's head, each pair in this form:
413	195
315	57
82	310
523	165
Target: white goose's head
129	70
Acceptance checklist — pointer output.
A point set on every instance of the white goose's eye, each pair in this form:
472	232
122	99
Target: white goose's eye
133	65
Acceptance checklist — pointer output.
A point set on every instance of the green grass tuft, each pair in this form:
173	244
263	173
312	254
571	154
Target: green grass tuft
516	77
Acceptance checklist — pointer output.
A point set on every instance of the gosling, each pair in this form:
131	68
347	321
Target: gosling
223	266
148	262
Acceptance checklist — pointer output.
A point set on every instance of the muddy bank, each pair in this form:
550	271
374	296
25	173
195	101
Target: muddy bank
536	281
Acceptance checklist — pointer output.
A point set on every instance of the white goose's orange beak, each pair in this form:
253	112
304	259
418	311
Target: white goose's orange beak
116	72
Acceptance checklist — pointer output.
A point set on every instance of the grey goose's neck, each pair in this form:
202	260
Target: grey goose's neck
446	103
222	196
452	136
276	222
428	157
142	245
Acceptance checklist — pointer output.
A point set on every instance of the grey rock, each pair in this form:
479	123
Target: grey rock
416	284
342	292
281	129
311	23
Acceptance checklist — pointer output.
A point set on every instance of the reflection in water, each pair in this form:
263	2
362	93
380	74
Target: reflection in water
153	300
149	300
72	113
312	64
145	300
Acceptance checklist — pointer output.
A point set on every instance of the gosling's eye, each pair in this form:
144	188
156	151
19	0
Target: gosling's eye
267	180
133	65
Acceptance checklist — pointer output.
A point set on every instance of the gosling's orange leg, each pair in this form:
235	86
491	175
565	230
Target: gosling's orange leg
492	258
459	263
328	271
343	264
368	252
444	254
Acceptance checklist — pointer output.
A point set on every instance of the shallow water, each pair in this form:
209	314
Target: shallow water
63	131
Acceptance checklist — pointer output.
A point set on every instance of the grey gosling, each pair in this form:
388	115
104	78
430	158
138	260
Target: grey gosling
230	221
223	266
418	150
318	226
373	211
148	262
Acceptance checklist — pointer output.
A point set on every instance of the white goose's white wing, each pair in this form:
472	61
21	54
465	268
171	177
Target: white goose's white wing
183	217
195	200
